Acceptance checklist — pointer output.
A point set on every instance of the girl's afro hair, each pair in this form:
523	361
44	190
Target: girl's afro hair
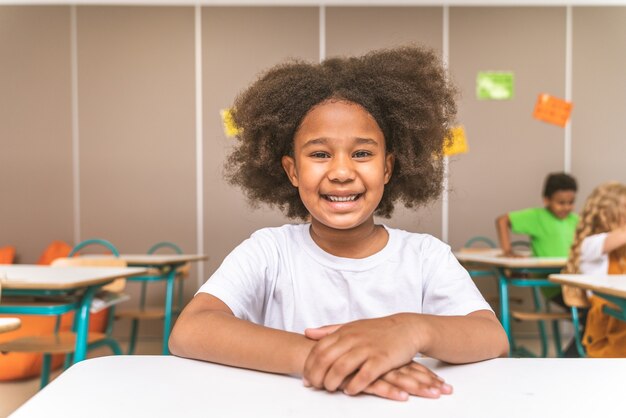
406	91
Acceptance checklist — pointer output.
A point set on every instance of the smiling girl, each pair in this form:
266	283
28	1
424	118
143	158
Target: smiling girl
342	301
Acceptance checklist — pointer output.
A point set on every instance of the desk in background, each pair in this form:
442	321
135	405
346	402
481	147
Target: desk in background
524	265
610	287
166	264
80	283
168	386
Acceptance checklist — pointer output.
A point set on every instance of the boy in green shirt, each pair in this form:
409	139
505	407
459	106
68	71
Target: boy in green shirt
551	228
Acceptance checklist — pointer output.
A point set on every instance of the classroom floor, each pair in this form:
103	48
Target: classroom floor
14	394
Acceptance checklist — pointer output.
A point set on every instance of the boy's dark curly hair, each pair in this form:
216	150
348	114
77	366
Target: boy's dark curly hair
406	91
556	182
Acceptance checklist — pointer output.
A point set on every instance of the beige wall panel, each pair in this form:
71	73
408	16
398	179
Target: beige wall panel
510	152
357	30
137	129
599	95
238	43
35	129
136	107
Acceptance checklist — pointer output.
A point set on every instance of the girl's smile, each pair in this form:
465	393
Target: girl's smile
340	165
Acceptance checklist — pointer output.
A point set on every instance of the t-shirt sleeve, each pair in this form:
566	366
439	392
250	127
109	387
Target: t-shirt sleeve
241	281
524	221
448	287
591	248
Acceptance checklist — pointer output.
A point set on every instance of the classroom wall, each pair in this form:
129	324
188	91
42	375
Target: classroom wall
136	115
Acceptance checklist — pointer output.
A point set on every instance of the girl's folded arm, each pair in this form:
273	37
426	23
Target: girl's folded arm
207	330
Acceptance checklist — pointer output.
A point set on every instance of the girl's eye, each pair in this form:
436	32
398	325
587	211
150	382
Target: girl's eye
319	154
362	154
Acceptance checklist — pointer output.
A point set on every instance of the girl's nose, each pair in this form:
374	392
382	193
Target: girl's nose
341	169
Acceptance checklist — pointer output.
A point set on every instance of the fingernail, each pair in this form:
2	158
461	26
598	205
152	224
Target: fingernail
305	382
446	388
403	395
434	391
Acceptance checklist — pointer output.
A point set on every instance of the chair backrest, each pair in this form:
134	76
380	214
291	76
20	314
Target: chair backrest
7	254
575	297
56	249
117	285
96	241
182	270
165	244
479	244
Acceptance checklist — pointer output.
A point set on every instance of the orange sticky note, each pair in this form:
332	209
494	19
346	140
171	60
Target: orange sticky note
552	110
457	144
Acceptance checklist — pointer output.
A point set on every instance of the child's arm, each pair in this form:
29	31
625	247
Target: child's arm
614	240
207	330
503	226
371	348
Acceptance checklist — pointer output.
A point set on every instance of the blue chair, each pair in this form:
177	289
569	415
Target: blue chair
541	309
155	275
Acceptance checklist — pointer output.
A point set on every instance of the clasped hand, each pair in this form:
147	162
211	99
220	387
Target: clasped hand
372	356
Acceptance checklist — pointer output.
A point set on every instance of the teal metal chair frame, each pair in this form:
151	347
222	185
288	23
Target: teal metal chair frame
535	285
79	303
169	275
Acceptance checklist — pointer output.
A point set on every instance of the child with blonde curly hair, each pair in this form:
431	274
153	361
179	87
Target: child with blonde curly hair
599	248
338	299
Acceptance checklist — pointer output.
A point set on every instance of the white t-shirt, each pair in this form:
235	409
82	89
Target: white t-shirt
592	259
282	279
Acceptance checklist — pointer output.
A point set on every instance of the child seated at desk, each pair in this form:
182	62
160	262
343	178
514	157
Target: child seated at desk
342	301
600	248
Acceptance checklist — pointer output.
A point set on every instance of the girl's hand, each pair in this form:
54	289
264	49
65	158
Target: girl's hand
362	351
410	379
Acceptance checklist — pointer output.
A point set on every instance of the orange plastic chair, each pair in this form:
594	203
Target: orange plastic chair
7	254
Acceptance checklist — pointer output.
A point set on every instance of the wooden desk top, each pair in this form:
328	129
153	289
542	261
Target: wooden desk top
155	259
26	276
510	262
614	284
168	386
9	324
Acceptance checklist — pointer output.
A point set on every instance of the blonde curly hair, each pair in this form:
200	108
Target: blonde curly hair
604	211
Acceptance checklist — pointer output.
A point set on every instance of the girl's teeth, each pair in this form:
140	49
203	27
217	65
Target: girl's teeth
342	198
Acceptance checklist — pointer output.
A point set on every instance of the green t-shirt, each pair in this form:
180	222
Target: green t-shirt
549	235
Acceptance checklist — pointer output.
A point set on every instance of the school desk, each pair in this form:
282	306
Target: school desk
610	287
58	283
169	386
166	264
519	266
9	324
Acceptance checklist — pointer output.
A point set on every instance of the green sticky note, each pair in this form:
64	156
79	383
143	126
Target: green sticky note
494	85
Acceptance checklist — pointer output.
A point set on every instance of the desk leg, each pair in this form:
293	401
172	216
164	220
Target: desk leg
169	298
505	317
82	324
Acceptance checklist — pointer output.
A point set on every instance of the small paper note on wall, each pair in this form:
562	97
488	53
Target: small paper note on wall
553	110
457	144
230	129
495	85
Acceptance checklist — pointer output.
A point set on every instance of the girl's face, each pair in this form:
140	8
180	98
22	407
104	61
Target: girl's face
339	166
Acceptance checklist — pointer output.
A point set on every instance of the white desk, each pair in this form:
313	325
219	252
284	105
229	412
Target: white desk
168	386
610	287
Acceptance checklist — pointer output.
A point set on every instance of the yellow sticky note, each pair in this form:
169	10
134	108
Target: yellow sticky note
230	129
458	143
